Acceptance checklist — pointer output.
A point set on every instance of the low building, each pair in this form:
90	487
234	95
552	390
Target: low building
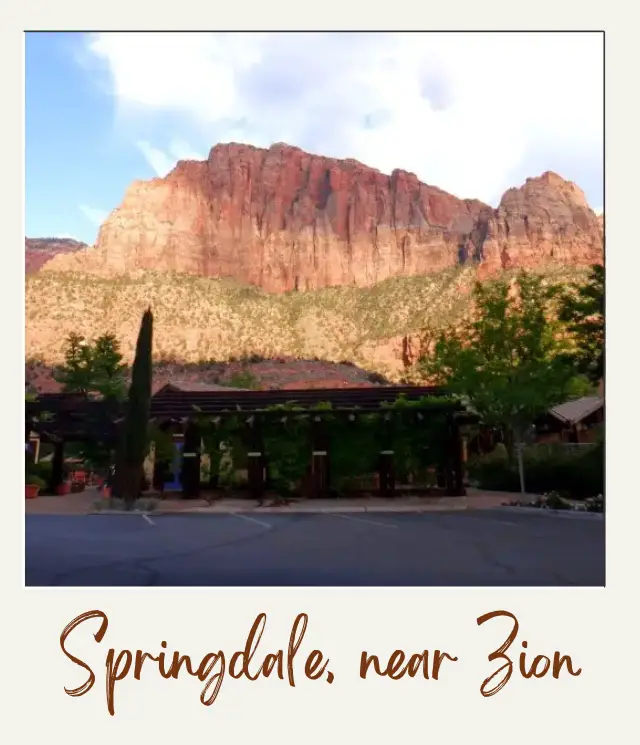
578	421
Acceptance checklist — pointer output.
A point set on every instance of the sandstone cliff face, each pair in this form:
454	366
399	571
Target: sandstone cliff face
545	221
284	219
38	251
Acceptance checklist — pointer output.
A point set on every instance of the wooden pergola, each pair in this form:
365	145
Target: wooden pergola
66	417
58	418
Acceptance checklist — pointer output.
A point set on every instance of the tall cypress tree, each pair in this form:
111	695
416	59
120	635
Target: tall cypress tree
137	417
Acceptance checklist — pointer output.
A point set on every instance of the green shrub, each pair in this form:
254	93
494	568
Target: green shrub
34	480
42	470
554	468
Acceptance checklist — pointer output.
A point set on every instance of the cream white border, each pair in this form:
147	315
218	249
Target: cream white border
595	626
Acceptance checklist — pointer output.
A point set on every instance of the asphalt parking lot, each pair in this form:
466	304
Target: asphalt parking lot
464	548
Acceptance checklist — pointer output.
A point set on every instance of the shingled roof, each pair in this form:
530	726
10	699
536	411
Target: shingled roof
188	386
575	411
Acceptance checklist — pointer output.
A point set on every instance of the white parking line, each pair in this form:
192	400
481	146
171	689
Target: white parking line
360	520
148	519
251	519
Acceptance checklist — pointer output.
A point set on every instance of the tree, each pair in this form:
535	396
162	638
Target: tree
93	367
137	416
509	359
582	311
77	372
108	370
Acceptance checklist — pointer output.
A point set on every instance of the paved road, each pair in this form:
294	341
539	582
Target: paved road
485	547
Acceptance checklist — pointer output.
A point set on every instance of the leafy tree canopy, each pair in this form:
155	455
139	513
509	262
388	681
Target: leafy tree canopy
582	311
510	358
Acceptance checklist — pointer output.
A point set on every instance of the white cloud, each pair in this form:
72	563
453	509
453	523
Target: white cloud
162	162
471	113
94	215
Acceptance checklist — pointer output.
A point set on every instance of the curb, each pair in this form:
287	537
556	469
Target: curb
565	514
283	511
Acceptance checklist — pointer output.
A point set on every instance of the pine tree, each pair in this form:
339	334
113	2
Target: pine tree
137	416
77	372
109	372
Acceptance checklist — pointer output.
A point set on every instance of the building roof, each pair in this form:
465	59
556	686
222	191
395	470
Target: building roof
575	411
188	386
172	402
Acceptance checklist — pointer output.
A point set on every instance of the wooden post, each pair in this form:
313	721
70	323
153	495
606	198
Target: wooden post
386	468
117	482
28	455
319	458
256	461
191	461
449	485
458	465
454	465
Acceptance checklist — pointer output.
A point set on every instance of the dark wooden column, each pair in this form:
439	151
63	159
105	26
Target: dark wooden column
319	458
458	463
214	462
386	461
28	455
191	461
57	467
448	457
255	459
120	469
454	466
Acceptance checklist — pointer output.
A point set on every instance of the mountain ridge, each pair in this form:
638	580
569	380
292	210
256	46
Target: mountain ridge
283	219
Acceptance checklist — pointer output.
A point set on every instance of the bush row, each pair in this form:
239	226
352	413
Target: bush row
576	475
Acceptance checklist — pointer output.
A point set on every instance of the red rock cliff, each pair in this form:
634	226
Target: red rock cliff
284	219
37	251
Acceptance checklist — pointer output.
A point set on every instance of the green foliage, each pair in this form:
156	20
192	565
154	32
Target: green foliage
138	405
416	431
582	310
93	367
287	446
509	359
94	454
163	443
34	480
108	370
76	375
225	442
354	441
354	447
42	470
578	475
244	379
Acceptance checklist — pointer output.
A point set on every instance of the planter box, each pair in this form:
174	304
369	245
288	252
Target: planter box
31	491
63	489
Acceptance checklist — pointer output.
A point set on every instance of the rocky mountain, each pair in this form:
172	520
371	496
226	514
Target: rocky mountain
283	219
37	251
218	248
200	320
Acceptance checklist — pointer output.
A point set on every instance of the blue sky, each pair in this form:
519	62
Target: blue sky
77	165
472	114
